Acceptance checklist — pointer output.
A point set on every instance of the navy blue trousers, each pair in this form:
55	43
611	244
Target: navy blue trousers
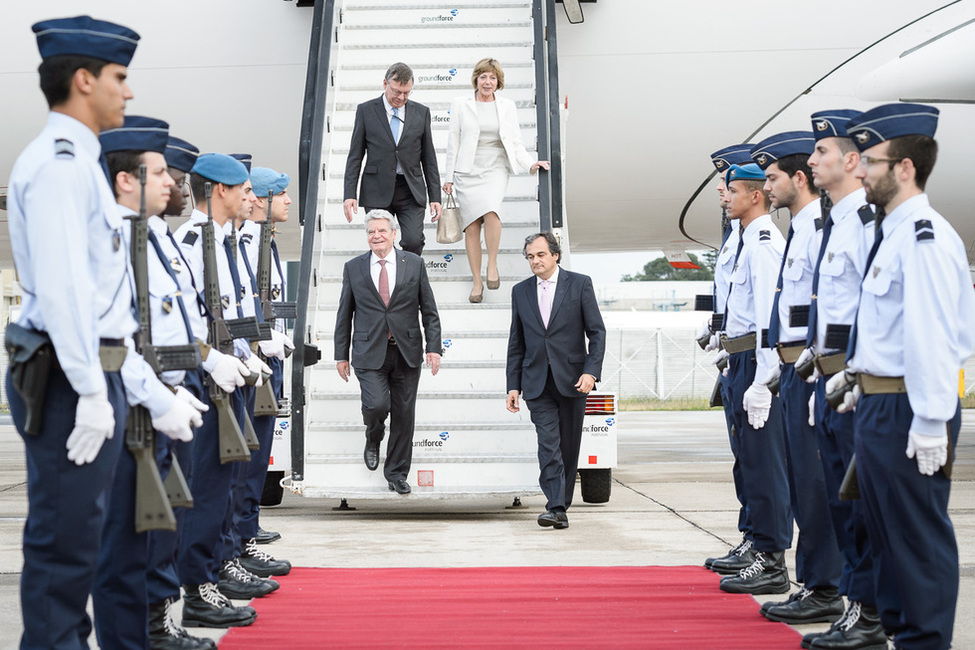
558	427
818	559
229	535
162	578
256	471
202	529
912	541
762	457
67	508
835	433
724	387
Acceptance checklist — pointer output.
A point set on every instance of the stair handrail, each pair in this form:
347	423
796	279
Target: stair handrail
547	116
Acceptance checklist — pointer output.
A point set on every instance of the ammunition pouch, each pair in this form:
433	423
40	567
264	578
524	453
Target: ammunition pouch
31	357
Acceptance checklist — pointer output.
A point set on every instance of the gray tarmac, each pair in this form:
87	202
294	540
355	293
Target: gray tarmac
672	504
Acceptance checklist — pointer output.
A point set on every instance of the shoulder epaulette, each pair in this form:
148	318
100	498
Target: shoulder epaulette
64	148
190	238
819	223
866	214
923	230
764	235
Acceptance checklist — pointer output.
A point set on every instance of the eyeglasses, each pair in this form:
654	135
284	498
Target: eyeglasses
870	160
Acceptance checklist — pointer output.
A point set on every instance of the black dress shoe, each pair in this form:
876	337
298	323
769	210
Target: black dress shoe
400	486
166	634
741	559
860	630
371	455
727	556
766	575
205	606
238	583
557	519
266	536
816	606
260	563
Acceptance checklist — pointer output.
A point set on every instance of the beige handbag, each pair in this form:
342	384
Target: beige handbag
448	226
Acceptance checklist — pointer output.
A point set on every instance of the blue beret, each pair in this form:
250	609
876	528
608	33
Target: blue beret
137	133
780	145
85	36
180	154
832	124
737	154
892	121
746	172
220	168
264	179
244	158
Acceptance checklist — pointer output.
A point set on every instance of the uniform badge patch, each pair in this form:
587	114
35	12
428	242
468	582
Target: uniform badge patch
923	230
862	137
243	293
176	264
275	293
63	148
819	223
789	262
866	214
764	235
225	302
830	256
876	271
190	238
116	241
167	304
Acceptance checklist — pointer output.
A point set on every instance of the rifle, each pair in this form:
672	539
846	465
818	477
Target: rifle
153	509
232	445
266	402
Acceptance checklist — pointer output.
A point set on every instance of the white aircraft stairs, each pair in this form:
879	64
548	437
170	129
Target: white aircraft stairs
466	443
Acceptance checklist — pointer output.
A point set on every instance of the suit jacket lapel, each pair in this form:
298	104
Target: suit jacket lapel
381	114
411	119
561	289
402	274
366	274
531	296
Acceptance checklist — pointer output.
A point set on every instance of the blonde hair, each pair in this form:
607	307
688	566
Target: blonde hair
488	65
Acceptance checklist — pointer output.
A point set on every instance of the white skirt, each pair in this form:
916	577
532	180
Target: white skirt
482	190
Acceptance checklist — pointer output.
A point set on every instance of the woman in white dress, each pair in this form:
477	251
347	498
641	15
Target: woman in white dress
483	146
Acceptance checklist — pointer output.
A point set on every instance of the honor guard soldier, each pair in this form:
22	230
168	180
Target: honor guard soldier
911	335
788	181
848	231
66	235
757	414
741	556
204	526
263	182
121	584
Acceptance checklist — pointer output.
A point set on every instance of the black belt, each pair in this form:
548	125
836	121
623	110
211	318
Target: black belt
390	341
111	343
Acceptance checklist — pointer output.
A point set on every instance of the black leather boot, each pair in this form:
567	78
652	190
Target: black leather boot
165	634
809	606
860	630
727	556
766	575
205	606
742	558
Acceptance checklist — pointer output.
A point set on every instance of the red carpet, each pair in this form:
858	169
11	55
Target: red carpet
512	607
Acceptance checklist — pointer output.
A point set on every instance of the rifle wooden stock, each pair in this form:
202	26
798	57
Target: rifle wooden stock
152	508
850	487
265	401
250	435
232	445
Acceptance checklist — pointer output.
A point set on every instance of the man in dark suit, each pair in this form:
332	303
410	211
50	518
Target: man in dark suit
552	315
383	292
395	137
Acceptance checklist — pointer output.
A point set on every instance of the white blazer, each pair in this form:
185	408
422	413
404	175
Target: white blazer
465	130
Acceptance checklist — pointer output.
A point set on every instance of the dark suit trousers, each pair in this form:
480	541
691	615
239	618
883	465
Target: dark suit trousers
409	214
391	390
558	425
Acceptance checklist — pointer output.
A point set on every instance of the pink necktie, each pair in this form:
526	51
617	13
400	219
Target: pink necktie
383	283
545	301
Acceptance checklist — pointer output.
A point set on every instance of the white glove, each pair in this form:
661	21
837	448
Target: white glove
712	343
807	355
229	372
757	402
257	366
177	422
705	329
94	423
836	382
773	374
718	358
189	398
812	410
277	346
931	451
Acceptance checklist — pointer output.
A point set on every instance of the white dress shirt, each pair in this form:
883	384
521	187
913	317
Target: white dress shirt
375	268
797	272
